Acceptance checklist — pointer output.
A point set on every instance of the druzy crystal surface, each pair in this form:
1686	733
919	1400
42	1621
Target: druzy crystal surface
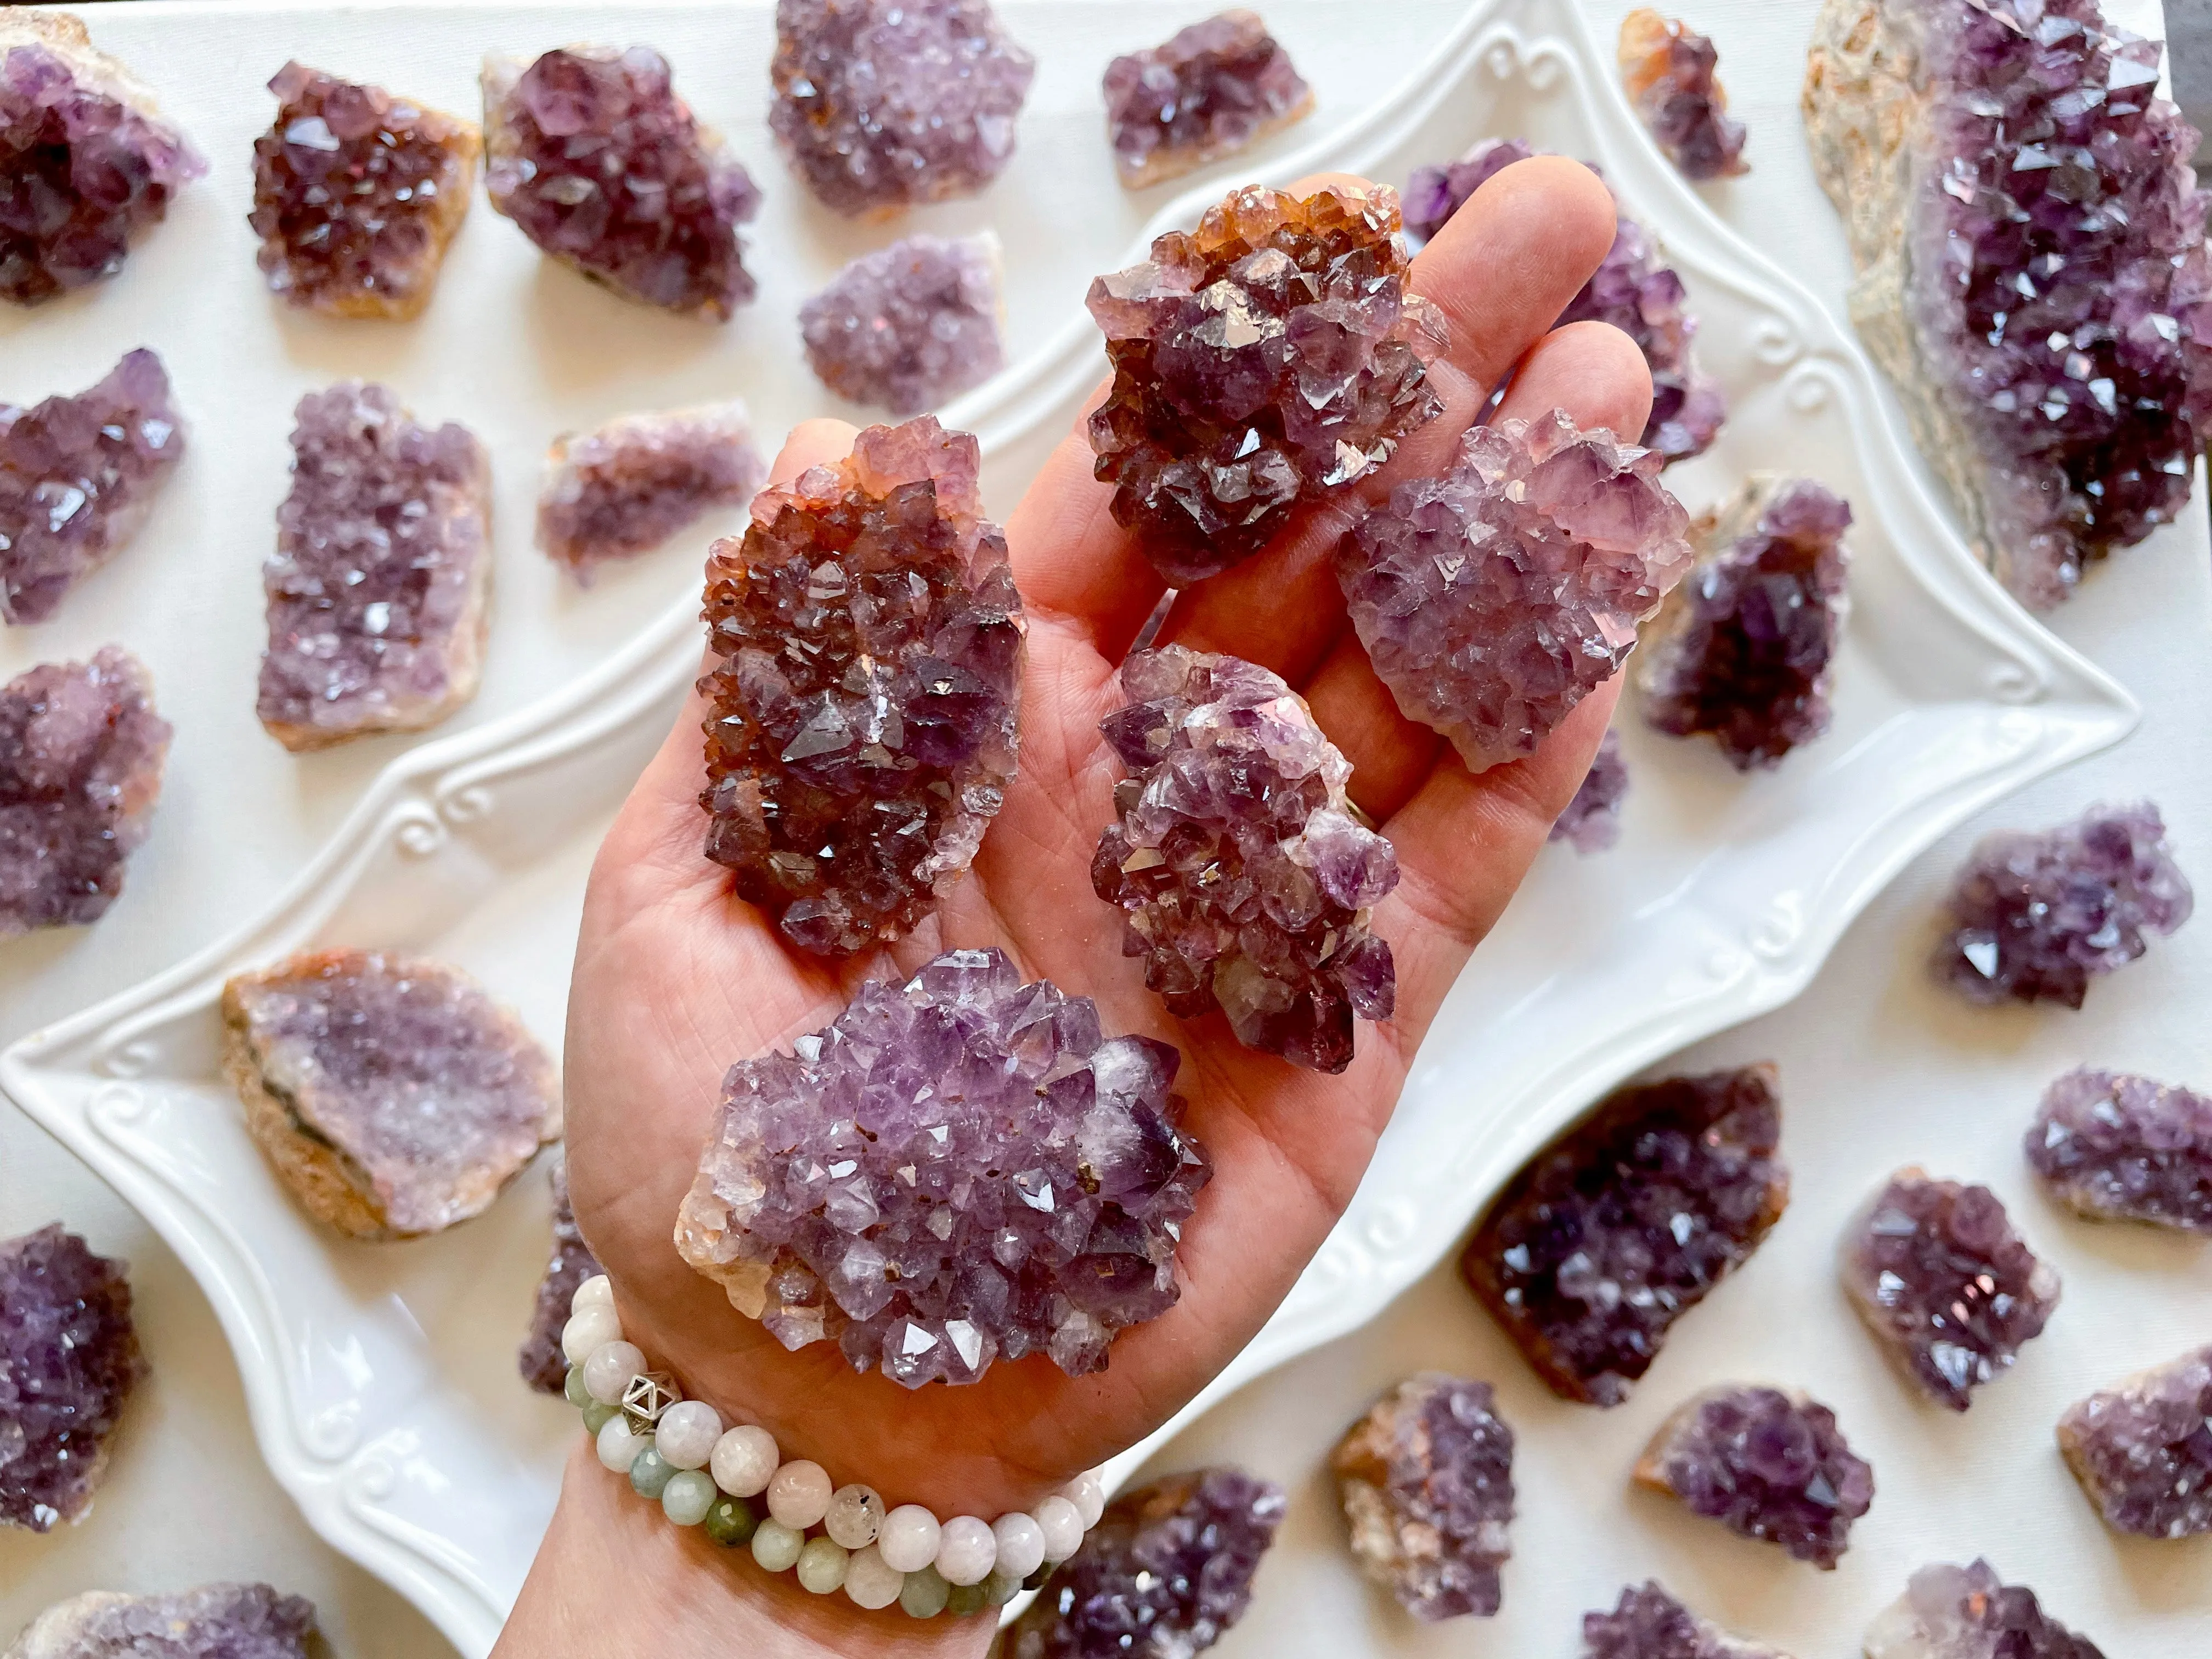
909	325
1592	821
2143	1450
590	151
378	591
1627	1222
2033	916
1966	1612
78	475
81	756
1946	1286
69	1359
1164	1575
544	1367
2116	1147
1426	1482
1650	1624
961	1169
1493	599
885	104
1634	288
1768	1464
1668	69
863	698
87	163
1246	884
213	1621
1271	356
1745	648
641	480
1210	90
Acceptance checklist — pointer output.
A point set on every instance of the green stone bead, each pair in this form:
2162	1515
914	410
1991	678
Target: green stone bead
596	1416
925	1593
731	1522
650	1473
1000	1587
963	1600
574	1391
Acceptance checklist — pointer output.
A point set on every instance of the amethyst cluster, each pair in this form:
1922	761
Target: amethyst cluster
641	480
1967	1612
1210	90
215	1621
962	1169
909	325
2116	1147
1591	822
69	1359
2142	1451
1766	1464
1650	1624
1668	69
1246	884
544	1367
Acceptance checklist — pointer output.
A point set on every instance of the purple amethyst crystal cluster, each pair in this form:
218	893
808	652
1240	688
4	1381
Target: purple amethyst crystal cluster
1214	89
2034	917
1668	69
1766	1464
1591	822
543	1364
1650	1624
1966	1612
2116	1147
1426	1482
1627	1222
215	1621
1494	598
78	475
69	1359
2142	1451
592	154
1246	884
910	325
1271	356
863	700
81	756
1164	1575
641	480
961	1169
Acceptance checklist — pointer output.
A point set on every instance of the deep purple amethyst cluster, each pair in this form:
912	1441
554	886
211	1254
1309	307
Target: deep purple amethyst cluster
213	1621
2143	1450
909	325
1650	1624
544	1367
639	481
1209	91
2116	1147
1967	1612
1591	822
1770	1465
1668	70
69	1359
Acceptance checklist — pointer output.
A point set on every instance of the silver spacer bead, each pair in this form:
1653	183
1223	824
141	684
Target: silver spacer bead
646	1398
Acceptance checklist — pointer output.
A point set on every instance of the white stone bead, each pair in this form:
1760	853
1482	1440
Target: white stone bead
908	1538
1021	1544
687	1497
871	1580
609	1368
589	1328
854	1516
1061	1523
745	1460
687	1432
776	1547
966	1548
617	1447
799	1495
822	1564
597	1291
1088	1493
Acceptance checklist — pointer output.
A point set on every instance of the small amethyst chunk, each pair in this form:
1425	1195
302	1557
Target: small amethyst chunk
1164	1575
69	1359
1768	1464
641	480
962	1169
1246	884
215	1621
2116	1147
2142	1449
544	1367
1592	821
1650	1624
1965	1613
1213	89
1666	68
910	325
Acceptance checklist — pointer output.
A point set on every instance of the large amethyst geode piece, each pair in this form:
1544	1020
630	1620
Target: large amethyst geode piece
1591	822
1273	356
1207	91
213	1621
544	1367
592	154
2116	1147
962	1169
1246	883
1966	1612
87	163
2142	1448
1666	69
1765	1463
909	325
633	485
1494	598
1426	1482
1650	1624
69	1359
2032	272
1164	1575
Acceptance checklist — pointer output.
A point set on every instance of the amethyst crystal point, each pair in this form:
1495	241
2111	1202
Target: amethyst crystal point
641	480
1426	1481
1214	89
1592	820
87	163
1768	1464
1272	355
2033	916
1650	1624
1246	884
590	151
1965	1613
1745	648
78	475
1493	599
2143	1450
543	1364
910	325
1666	68
1627	1222
379	590
1946	1286
1164	1575
215	1621
2032	270
865	691
81	756
2115	1147
69	1359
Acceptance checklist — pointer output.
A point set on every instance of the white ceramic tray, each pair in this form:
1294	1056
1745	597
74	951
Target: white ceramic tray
380	1378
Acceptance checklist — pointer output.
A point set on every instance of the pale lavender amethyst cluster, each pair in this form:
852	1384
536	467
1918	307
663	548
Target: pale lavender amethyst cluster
2143	1450
1246	884
544	1367
637	481
212	1621
1967	1612
1591	822
909	325
1767	1464
69	1359
1210	90
1668	69
1650	1624
2116	1147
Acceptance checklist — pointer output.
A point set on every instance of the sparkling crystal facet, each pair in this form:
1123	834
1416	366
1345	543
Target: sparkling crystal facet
1650	1624
2116	1147
1592	820
2143	1450
1966	1612
909	325
544	1367
641	480
69	1359
215	1621
1214	89
1770	1465
1668	69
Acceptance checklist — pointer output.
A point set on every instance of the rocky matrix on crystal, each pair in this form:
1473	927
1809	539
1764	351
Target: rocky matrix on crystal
1965	1613
69	1359
1592	821
87	163
1950	1291
1650	1624
961	1169
78	475
864	697
1634	289
1164	1575
2033	273
910	325
2142	1449
641	480
543	1364
1493	599
1214	89
1768	1464
1668	69
886	104
1627	1222
215	1621
379	591
1246	884
590	151
81	751
2116	1147
391	1094
1745	648
1426	1482
1271	356
2033	916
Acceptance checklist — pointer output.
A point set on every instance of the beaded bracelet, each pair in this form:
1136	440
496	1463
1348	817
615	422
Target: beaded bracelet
677	1451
